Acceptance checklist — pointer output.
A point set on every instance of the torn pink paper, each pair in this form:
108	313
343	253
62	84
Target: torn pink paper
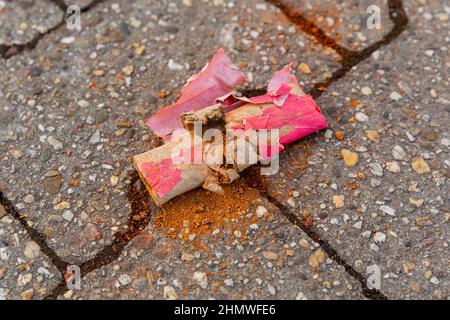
162	176
229	102
280	86
217	79
284	77
277	97
292	109
300	112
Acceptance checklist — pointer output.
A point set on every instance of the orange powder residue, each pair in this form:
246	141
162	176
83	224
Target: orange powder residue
200	212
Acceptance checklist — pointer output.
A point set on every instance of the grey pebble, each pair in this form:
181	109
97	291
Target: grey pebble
95	138
46	154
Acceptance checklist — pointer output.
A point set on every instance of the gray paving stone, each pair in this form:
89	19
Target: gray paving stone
417	228
25	272
244	269
21	21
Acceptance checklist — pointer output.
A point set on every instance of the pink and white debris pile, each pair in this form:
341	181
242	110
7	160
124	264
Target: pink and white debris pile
209	98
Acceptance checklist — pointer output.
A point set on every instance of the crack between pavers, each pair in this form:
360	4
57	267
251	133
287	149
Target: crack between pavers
255	180
142	208
309	27
350	58
34	235
9	50
111	252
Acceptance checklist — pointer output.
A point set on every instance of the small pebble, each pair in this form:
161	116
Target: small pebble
169	293
270	255
67	215
434	280
61	206
201	279
125	279
393	167
95	138
83	103
387	210
261	211
128	70
376	169
379	237
229	282
291	202
114	180
395	96
304	68
373	136
67	40
350	158
375	182
174	66
56	144
398	153
338	201
420	166
271	289
361	117
28	198
366	91
317	258
27	295
32	249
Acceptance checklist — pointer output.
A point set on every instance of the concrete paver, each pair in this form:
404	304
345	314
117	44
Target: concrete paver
73	107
